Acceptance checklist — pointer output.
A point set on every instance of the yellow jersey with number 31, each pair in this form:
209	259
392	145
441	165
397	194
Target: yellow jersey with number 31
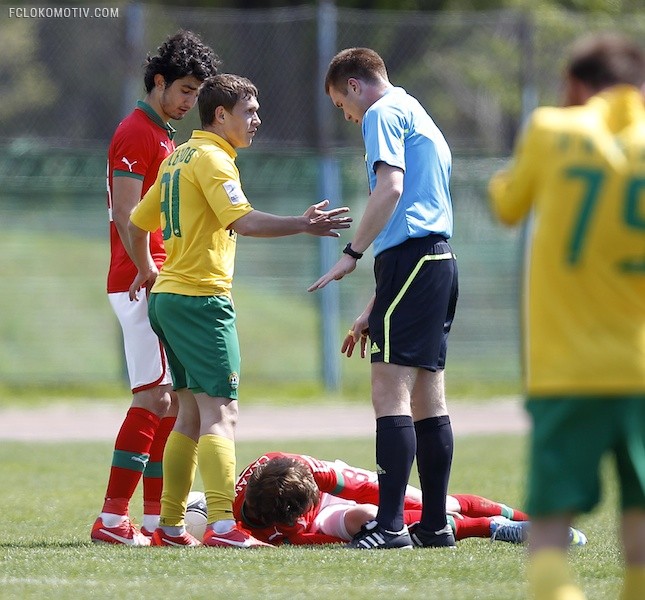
195	198
579	172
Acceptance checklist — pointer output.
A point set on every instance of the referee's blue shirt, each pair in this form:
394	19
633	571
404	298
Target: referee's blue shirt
398	131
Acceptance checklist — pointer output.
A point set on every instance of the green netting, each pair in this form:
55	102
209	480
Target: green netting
56	324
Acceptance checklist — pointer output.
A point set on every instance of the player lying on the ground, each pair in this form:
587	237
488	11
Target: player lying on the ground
298	499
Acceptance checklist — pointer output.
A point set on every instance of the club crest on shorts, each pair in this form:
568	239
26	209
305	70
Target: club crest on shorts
234	380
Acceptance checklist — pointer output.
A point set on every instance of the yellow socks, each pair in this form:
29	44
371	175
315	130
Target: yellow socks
634	584
217	468
179	467
549	577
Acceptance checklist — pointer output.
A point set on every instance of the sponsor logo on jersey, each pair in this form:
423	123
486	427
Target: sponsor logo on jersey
234	192
165	145
128	164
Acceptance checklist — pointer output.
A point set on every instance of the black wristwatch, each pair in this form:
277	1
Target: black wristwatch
348	250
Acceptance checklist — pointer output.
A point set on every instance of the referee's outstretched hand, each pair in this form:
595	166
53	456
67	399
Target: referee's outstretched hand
350	341
343	267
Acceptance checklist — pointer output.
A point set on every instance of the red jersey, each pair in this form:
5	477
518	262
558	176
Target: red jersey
335	478
141	141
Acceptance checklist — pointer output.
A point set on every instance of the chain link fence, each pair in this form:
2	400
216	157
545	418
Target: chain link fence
68	82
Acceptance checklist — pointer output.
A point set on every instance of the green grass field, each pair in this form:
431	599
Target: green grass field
50	495
61	343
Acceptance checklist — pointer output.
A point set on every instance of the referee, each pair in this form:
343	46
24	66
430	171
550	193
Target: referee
408	220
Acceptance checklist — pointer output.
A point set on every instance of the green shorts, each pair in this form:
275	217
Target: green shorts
199	335
570	438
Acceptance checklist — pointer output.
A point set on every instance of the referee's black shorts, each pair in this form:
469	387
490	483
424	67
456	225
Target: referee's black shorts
416	296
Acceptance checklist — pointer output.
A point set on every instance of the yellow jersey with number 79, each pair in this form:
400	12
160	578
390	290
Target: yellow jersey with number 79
578	176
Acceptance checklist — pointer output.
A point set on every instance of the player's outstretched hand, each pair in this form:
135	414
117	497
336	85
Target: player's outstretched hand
343	267
142	280
350	341
325	222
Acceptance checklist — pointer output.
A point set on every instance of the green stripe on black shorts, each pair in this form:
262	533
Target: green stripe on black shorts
200	338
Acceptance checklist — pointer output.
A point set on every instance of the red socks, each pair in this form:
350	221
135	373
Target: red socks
477	506
153	475
131	454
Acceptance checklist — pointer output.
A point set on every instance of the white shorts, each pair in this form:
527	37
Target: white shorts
144	354
331	517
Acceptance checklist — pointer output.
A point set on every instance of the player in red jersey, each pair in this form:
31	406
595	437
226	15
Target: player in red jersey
297	499
142	140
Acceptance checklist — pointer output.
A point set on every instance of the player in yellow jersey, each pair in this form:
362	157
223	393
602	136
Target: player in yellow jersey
198	201
579	172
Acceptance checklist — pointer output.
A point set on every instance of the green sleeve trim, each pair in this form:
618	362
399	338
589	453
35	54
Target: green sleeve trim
340	483
117	173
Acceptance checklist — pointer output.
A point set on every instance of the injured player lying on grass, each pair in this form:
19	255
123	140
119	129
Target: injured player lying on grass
297	499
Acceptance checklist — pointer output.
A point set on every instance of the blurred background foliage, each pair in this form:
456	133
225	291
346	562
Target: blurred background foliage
608	6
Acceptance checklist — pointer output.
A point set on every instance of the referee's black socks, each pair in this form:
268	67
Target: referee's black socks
395	450
434	458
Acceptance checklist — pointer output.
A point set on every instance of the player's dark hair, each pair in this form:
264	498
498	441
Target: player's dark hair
280	491
222	90
359	63
181	55
603	60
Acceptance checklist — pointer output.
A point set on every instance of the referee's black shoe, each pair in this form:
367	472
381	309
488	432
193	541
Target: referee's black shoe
421	538
373	537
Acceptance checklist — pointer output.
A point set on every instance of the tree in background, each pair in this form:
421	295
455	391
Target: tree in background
26	84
